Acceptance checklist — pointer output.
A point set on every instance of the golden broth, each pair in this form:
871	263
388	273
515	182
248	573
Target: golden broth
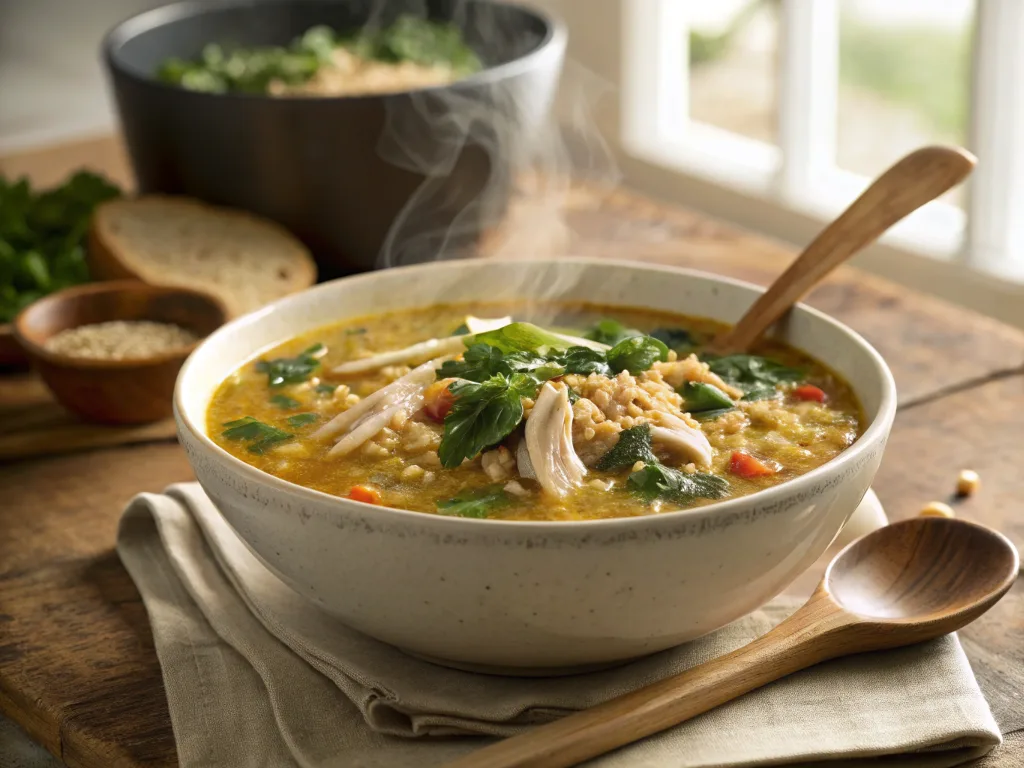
796	435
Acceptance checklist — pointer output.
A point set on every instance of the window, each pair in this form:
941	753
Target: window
800	104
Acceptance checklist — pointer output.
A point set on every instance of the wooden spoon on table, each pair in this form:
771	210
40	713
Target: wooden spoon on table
906	583
918	178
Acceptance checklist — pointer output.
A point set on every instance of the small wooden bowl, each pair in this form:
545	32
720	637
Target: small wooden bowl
132	391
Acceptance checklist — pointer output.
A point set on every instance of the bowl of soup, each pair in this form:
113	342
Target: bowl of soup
375	132
533	466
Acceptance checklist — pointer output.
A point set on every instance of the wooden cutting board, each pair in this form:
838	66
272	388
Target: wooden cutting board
33	424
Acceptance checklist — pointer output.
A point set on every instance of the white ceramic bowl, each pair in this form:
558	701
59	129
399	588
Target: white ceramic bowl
533	596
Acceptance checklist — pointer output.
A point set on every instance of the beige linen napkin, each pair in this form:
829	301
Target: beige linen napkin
257	676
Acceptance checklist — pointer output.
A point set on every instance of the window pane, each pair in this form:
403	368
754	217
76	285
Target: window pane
733	46
904	79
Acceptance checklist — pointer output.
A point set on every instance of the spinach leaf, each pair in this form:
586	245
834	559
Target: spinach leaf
636	354
758	377
656	481
585	361
284	402
483	414
42	237
291	370
302	419
260	436
477	503
610	332
699	396
634	445
712	414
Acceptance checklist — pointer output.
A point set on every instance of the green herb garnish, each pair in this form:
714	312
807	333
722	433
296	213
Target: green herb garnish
481	361
757	377
700	396
610	332
634	445
636	354
260	436
291	370
483	414
42	237
284	402
325	389
478	503
301	419
585	361
656	481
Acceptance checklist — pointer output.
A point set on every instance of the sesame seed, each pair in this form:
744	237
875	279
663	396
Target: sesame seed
120	340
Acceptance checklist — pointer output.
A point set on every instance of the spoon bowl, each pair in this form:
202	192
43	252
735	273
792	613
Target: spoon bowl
906	583
922	571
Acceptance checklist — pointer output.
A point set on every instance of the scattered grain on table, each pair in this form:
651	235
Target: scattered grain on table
937	509
967	482
121	340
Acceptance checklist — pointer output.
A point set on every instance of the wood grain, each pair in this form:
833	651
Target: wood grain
33	424
60	514
906	583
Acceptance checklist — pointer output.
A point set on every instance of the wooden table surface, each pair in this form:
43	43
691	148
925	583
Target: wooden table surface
77	665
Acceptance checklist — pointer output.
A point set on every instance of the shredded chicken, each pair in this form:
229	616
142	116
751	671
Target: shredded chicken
375	412
676	434
430	348
417	353
549	442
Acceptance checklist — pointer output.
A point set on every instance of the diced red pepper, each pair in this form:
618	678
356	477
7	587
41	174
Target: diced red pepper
438	400
744	465
365	493
809	392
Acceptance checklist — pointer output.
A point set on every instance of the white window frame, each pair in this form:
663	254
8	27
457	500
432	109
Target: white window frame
798	174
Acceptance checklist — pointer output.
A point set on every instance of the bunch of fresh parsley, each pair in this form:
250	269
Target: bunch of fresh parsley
42	237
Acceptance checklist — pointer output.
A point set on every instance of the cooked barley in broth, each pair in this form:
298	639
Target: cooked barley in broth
546	412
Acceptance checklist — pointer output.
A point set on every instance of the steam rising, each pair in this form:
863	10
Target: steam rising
516	153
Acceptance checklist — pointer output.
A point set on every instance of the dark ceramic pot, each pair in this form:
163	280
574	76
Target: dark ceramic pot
365	181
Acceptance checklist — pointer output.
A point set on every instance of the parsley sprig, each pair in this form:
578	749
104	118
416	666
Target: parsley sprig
260	436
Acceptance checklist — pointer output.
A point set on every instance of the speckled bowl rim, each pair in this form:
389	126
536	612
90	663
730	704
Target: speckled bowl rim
876	432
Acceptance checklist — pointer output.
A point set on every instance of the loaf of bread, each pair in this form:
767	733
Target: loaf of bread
245	260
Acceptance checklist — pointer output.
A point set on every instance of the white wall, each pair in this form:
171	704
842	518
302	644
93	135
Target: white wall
51	83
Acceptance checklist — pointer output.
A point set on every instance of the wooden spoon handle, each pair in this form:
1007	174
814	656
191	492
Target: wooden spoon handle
793	645
913	181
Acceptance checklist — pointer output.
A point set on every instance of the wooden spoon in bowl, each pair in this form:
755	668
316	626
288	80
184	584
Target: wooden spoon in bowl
916	179
906	583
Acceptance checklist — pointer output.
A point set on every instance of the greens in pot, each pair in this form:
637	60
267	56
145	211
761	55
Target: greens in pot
252	69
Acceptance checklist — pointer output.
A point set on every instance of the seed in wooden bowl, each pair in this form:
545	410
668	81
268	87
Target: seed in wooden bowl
120	340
